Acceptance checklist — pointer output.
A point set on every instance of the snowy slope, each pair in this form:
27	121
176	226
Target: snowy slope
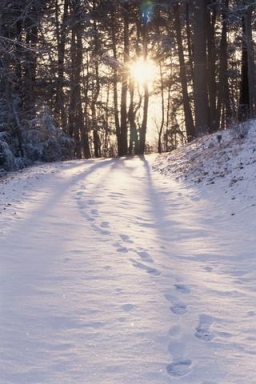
111	272
229	163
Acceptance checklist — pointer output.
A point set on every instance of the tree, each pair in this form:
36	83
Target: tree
123	137
61	19
200	67
190	129
247	88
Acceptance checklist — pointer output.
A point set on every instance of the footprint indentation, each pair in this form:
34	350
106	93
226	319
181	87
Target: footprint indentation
80	193
122	250
182	288
151	271
101	229
126	238
203	329
145	256
128	307
104	224
179	309
179	368
81	204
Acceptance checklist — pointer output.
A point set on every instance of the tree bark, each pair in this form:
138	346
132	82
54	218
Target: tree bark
249	47
123	131
61	31
223	111
211	68
190	129
200	68
244	100
143	128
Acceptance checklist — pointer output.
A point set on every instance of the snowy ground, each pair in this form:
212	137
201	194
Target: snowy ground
114	273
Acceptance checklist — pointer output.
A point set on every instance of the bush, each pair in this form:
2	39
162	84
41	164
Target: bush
41	141
45	142
240	131
7	159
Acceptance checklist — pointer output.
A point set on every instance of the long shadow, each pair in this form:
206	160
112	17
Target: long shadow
159	209
56	193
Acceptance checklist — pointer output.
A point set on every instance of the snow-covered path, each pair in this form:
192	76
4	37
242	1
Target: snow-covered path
111	273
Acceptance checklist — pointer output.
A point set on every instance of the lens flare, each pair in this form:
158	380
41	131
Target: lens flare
146	9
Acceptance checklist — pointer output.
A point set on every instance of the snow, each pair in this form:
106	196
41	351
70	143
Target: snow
131	270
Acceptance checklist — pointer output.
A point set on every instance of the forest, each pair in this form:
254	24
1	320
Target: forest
100	78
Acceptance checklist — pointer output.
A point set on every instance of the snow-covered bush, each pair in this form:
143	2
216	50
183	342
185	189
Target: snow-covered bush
40	140
240	131
7	159
43	141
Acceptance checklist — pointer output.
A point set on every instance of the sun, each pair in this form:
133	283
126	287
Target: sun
143	71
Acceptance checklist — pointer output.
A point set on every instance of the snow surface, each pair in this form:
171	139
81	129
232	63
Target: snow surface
131	270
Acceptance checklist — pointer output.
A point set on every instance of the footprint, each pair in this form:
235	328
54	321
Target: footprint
126	238
94	212
119	291
91	202
151	271
203	329
81	204
179	368
144	255
128	307
182	288
100	230
122	249
179	309
80	193
104	224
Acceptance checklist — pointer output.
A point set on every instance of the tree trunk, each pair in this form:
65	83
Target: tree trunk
61	31
190	129
244	100
143	128
160	133
134	144
95	90
200	68
189	40
123	132
212	89
77	128
223	112
115	83
247	95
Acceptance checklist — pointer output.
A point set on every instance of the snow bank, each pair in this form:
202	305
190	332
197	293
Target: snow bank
226	158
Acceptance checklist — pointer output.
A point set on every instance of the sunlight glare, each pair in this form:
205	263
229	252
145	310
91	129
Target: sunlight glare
143	71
